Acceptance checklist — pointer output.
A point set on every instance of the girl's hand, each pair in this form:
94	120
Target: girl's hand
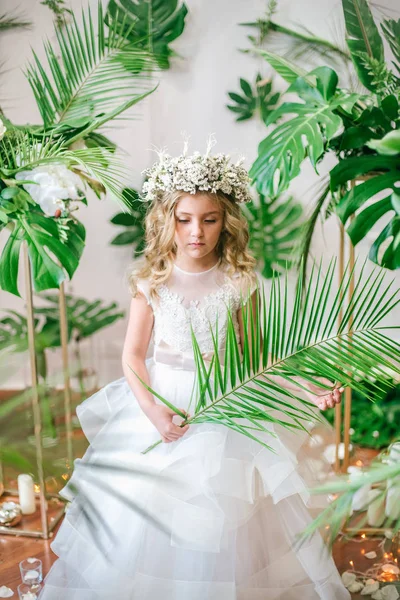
324	399
161	416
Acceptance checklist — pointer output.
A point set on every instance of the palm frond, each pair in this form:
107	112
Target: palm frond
264	382
12	21
24	151
98	76
339	512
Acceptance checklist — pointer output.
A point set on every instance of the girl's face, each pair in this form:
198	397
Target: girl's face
198	225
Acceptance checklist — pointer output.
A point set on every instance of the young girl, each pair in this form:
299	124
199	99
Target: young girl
209	514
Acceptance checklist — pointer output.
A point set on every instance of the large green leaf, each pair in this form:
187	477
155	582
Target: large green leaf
50	258
248	102
289	71
97	77
383	173
289	348
281	153
362	37
388	145
133	221
156	23
84	317
275	227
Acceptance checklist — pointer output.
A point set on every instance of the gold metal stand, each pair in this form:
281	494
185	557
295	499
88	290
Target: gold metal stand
67	388
46	527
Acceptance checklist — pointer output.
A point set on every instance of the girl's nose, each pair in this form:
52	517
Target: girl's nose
197	229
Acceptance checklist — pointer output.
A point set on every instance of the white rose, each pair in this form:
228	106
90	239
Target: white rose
3	129
53	184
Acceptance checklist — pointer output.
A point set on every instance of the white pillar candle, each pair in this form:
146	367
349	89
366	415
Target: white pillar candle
26	494
376	508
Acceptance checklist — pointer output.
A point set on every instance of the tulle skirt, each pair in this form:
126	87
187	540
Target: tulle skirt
212	516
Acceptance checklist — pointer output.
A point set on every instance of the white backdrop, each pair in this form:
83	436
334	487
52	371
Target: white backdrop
191	97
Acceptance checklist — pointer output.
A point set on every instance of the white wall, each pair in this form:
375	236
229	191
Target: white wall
191	97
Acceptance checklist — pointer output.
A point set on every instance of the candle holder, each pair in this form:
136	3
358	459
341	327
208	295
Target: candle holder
28	592
10	514
31	571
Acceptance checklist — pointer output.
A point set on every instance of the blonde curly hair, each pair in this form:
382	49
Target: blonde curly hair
160	251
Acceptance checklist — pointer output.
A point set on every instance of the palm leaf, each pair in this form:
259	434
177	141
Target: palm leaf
337	515
97	78
296	43
9	21
298	347
23	151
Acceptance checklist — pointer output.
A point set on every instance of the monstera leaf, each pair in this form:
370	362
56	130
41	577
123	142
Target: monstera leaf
261	100
150	24
275	227
50	257
379	173
281	153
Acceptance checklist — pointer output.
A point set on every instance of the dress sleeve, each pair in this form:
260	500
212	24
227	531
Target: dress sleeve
245	288
144	287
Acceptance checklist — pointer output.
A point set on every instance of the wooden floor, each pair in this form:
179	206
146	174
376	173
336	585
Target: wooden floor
13	550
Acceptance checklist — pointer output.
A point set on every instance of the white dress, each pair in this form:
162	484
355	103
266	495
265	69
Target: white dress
215	513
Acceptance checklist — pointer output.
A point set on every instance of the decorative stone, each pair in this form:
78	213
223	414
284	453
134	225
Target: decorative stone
371	554
355	587
370	588
6	592
388	592
348	578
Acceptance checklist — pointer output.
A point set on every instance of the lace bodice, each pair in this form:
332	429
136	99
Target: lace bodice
198	301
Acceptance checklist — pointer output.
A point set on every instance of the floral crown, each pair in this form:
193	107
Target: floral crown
196	173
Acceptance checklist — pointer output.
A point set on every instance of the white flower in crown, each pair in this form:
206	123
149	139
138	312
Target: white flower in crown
197	173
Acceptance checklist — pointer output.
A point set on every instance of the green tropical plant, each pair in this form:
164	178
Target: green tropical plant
59	10
12	21
374	425
241	392
382	473
84	318
330	119
295	43
98	76
132	221
259	100
157	23
275	225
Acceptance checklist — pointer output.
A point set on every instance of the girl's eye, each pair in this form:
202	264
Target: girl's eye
209	221
183	221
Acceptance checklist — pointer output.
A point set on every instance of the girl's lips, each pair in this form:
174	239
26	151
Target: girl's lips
196	244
